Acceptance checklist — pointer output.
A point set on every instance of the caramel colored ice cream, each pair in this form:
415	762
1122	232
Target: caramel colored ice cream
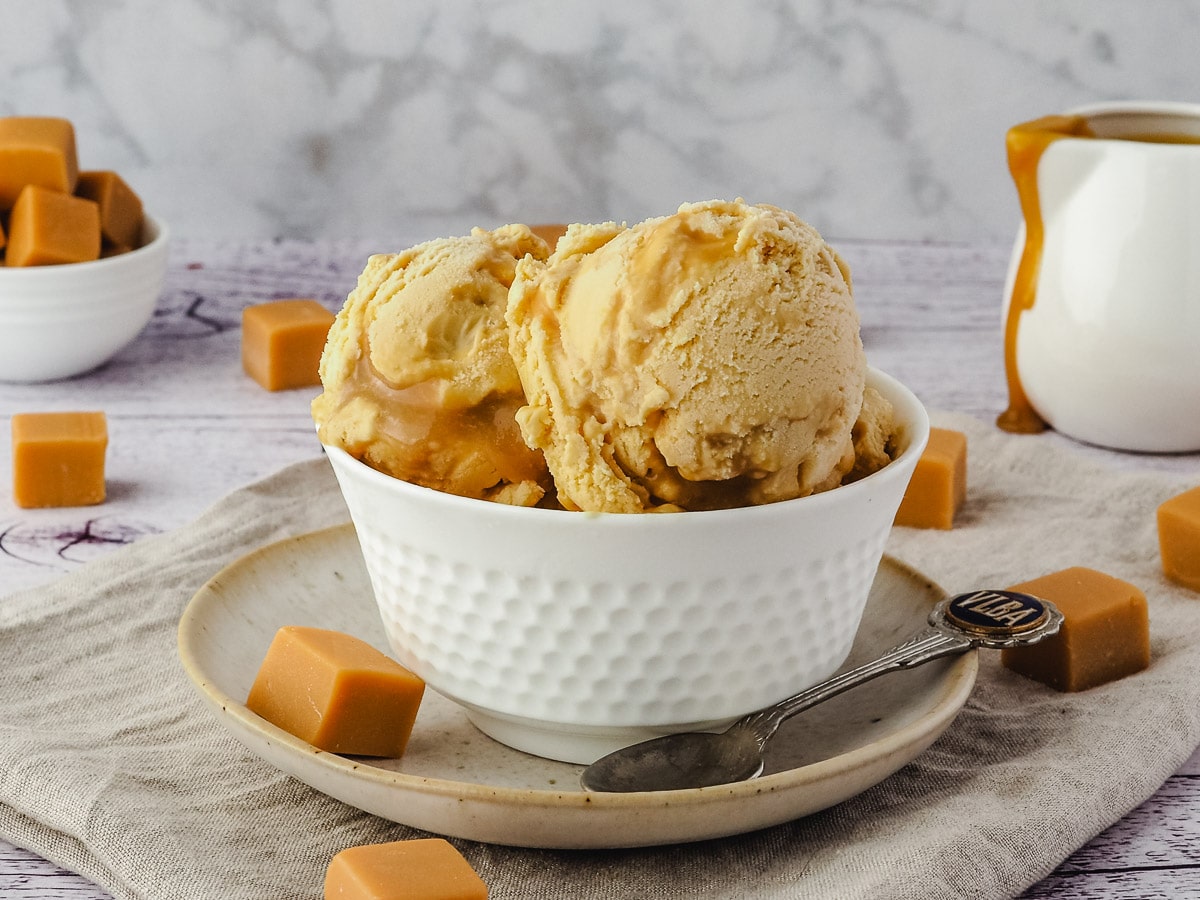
707	359
418	381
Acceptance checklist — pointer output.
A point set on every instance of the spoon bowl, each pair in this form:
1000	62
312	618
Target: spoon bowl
679	762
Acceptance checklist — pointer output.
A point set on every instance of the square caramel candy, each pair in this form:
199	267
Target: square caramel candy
58	458
421	869
120	208
1105	633
47	228
336	692
38	150
282	342
939	482
1179	538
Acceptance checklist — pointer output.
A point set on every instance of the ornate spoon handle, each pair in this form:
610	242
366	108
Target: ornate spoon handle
993	619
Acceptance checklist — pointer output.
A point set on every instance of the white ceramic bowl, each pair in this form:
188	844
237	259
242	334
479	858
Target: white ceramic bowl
63	320
569	634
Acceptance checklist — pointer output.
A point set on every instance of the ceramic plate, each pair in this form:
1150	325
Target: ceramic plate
455	781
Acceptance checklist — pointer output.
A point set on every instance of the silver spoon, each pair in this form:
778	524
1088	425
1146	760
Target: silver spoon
990	619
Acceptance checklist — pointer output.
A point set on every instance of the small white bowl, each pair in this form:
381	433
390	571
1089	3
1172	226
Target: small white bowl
62	320
569	634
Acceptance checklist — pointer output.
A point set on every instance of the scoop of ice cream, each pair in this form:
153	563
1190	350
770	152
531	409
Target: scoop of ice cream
873	435
418	382
701	360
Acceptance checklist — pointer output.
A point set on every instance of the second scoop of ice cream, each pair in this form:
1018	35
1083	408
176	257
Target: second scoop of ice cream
707	359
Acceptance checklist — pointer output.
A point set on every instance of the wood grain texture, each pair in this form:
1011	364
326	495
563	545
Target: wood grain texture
187	426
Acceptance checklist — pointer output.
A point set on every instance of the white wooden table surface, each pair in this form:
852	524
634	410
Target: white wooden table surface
186	427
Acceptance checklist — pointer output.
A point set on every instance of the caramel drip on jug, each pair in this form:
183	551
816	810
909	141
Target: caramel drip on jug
1026	143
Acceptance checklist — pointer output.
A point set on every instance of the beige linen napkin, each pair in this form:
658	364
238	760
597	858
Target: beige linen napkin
110	765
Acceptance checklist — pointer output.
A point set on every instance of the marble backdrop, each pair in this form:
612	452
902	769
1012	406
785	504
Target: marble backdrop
329	118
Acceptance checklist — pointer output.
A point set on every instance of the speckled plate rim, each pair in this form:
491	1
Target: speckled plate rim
548	818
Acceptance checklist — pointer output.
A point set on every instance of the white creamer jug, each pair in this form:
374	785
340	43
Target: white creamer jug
1102	302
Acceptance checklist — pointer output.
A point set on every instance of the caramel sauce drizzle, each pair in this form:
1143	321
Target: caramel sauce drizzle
1025	144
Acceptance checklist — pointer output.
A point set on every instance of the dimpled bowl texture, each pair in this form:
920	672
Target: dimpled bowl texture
569	634
63	320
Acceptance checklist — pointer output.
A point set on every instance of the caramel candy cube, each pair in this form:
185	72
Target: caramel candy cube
38	150
336	692
58	458
48	227
120	208
422	869
1179	538
1105	633
282	342
939	483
